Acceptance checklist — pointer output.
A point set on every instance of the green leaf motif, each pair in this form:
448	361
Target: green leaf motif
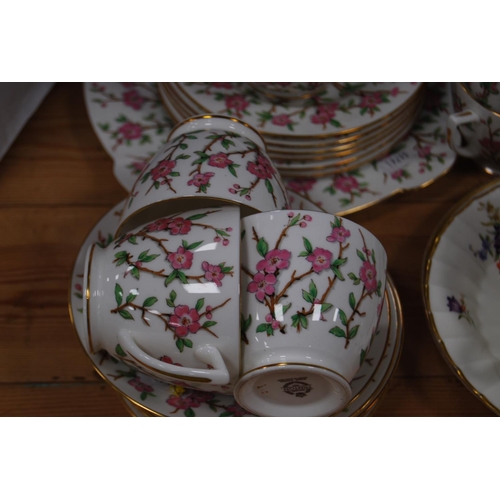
196	217
130	297
150	301
179	344
352	301
337	273
187	343
125	314
313	290
262	328
361	255
170	278
353	332
326	307
269	186
118	294
295	220
199	304
362	356
182	277
307	245
208	324
337	331
307	297
189	413
343	317
135	272
262	247
183	146
119	350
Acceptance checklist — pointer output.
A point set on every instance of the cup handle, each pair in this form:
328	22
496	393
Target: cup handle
454	136
206	354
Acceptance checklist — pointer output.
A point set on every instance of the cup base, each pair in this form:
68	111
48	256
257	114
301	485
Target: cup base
292	390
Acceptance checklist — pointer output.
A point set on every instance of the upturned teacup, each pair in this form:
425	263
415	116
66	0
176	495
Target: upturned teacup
207	161
164	298
474	131
312	292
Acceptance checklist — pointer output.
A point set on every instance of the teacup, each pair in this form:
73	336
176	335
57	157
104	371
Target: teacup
312	292
164	298
207	161
474	131
486	94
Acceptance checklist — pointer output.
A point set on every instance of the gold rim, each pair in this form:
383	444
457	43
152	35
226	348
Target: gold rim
429	254
87	300
301	136
415	101
346	165
282	98
404	123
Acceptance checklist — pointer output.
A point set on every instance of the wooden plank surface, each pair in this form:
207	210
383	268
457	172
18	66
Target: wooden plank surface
56	182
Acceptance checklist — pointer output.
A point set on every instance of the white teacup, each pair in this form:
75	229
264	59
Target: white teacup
312	292
165	298
474	131
207	161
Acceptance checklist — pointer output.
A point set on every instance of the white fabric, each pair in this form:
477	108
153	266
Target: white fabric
18	102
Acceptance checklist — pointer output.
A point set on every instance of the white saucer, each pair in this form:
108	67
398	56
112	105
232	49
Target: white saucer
462	292
411	167
167	400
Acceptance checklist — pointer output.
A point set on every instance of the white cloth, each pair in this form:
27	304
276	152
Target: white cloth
18	102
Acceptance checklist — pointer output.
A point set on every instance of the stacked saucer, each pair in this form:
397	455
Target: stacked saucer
339	127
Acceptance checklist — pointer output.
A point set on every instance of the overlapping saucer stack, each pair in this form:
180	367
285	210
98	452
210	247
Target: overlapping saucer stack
334	128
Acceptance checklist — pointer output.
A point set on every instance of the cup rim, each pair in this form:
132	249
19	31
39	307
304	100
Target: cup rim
469	94
211	115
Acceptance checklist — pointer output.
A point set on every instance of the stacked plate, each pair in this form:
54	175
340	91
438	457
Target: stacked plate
345	126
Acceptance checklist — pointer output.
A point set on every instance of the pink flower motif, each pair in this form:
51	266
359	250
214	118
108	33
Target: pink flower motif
140	386
303	185
133	99
236	102
264	162
371	101
182	259
138	166
163	169
275	324
130	131
201	179
208	313
394	91
213	273
330	109
281	120
237	410
275	260
168	359
424	152
184	321
259	170
78	287
320	118
158	225
179	226
222	85
220	160
182	403
346	183
397	174
320	259
368	275
339	234
129	85
262	285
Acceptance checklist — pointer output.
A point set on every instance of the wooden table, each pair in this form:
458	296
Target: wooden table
56	182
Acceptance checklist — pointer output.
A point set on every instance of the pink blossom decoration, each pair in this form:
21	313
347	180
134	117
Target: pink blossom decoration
275	324
184	321
219	160
182	259
163	169
275	260
213	273
339	234
130	131
179	225
346	183
236	102
158	225
281	120
320	259
140	386
368	275
424	152
302	185
201	179
133	99
371	101
262	285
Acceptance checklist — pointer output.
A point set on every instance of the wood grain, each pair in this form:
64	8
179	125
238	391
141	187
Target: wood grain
56	182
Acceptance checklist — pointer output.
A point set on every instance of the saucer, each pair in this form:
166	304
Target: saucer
462	291
416	161
163	399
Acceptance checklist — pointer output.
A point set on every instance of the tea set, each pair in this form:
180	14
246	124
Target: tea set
218	286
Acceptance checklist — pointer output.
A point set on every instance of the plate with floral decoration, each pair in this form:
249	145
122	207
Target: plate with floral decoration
339	109
462	291
415	162
160	398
